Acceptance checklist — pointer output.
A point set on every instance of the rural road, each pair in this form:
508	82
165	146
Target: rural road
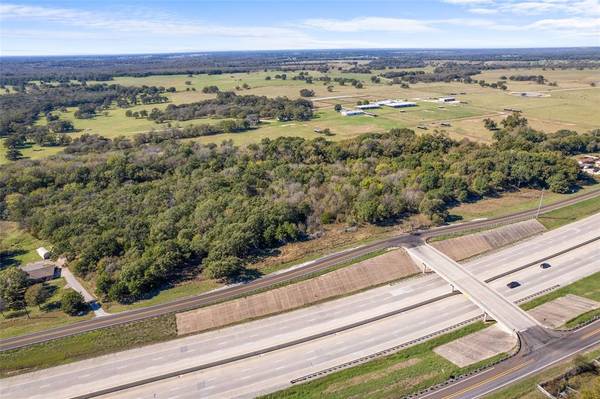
274	369
272	279
521	366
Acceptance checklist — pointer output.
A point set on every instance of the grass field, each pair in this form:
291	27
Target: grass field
570	214
511	202
17	246
82	346
392	376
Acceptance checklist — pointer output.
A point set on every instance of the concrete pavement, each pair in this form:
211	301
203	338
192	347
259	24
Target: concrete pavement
506	313
328	351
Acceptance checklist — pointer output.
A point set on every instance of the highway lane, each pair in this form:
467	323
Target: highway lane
203	348
272	279
273	371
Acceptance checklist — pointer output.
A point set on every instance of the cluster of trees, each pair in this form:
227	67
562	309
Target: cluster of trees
210	89
532	78
230	105
17	293
19	111
447	72
305	76
354	82
138	219
90	143
501	84
307	93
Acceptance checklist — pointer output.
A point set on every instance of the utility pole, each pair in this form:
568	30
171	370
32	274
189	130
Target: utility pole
537	215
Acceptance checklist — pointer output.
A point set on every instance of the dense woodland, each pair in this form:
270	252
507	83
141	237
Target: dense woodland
142	217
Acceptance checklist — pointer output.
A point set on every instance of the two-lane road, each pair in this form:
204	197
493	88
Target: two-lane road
272	279
521	366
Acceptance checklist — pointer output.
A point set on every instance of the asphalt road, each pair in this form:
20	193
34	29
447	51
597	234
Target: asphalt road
272	279
274	369
521	366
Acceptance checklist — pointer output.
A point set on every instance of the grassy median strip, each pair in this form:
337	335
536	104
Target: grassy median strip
86	345
570	214
588	287
392	376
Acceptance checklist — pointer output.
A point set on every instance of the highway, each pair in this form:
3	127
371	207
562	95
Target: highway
274	369
275	278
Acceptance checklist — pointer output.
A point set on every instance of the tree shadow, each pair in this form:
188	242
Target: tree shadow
8	257
246	275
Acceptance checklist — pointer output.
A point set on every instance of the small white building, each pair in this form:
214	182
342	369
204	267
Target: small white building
397	103
352	112
43	253
369	106
448	100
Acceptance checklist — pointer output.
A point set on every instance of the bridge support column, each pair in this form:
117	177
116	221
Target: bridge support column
452	289
425	268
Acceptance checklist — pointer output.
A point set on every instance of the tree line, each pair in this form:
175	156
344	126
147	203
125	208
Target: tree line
231	105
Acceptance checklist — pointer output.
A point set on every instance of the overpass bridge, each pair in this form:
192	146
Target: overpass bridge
509	316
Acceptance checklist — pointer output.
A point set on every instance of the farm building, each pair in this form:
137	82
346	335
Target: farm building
397	104
43	253
369	106
448	100
351	112
41	271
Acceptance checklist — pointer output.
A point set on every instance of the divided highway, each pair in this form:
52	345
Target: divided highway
274	369
272	279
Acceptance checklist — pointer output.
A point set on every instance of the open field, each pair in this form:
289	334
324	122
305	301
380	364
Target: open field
570	105
95	343
17	246
570	214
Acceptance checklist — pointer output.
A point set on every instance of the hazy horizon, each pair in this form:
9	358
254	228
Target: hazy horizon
66	27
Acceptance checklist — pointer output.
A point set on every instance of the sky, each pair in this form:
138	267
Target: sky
158	26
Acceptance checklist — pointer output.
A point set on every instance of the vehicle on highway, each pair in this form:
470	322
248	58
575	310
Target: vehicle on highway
513	284
545	265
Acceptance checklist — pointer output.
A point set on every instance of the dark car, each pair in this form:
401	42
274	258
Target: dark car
545	266
513	284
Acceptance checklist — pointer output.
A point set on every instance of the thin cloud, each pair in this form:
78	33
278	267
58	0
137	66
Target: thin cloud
364	24
155	24
483	11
